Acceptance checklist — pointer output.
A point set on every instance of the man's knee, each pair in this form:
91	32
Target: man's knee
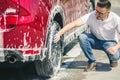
82	37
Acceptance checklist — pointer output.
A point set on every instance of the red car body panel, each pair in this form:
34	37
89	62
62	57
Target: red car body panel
24	23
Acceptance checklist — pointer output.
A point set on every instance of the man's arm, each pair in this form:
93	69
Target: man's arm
68	27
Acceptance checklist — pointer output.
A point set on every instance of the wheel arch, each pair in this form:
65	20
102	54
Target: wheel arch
57	14
59	19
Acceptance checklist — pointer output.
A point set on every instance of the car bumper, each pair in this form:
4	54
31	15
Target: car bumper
24	55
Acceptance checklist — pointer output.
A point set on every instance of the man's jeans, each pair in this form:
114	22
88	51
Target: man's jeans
88	42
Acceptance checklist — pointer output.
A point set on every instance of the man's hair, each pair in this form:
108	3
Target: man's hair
104	4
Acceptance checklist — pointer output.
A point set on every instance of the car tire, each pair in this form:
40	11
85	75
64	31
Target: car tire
52	62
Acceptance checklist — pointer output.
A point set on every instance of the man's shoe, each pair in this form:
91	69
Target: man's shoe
90	67
113	63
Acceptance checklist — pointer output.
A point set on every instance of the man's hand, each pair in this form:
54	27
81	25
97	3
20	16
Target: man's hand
56	38
113	50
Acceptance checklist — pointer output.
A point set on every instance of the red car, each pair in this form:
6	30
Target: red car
27	29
